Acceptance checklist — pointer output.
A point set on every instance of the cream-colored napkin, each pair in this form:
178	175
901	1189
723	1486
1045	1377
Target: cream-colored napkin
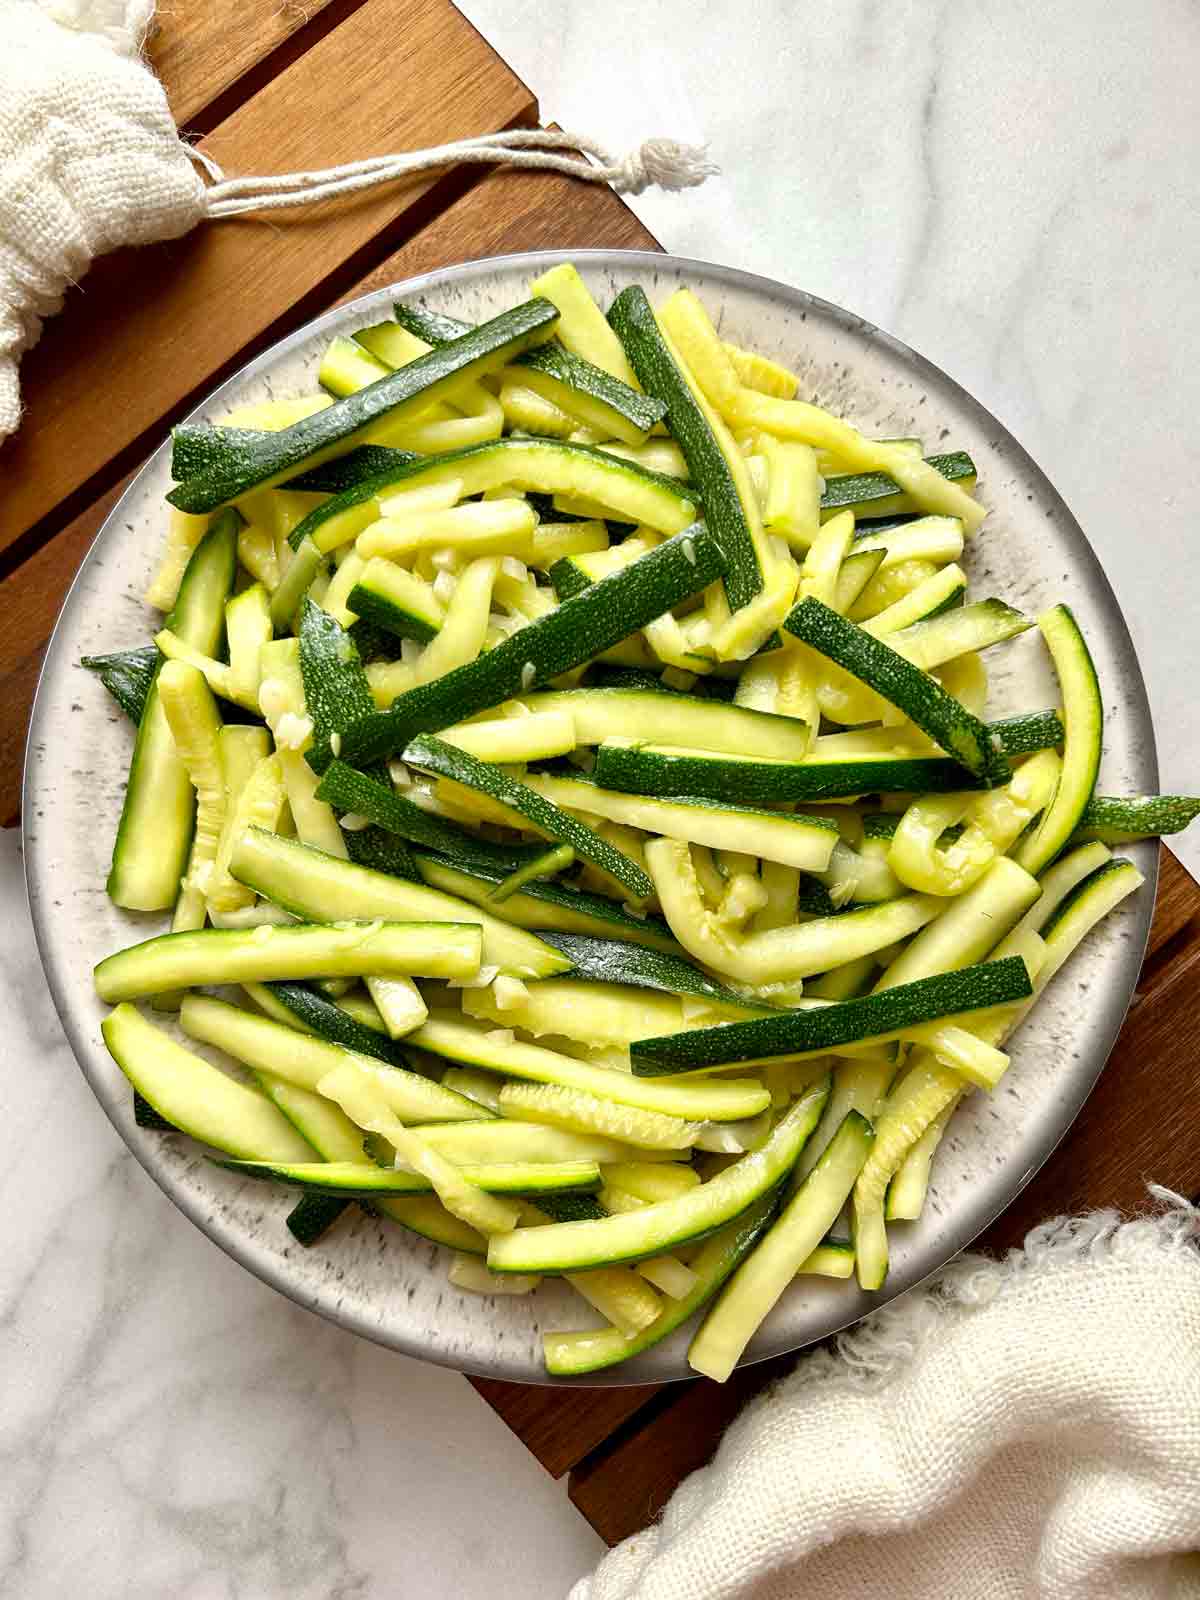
89	159
1026	1429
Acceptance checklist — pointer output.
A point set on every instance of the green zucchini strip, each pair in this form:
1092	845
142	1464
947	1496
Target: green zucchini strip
432	755
397	397
568	637
920	697
653	1230
887	1015
347	949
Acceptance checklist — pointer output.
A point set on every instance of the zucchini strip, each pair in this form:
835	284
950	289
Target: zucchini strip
892	1014
304	1061
839	766
312	884
155	830
797	841
582	327
1083	717
715	465
658	716
584	1113
194	1096
345	949
656	1229
579	629
1123	819
752	1292
910	690
530	802
393	401
730	1100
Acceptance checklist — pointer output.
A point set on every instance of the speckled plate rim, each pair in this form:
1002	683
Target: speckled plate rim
1103	1024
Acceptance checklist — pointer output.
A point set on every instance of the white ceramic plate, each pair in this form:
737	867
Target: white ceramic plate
371	1276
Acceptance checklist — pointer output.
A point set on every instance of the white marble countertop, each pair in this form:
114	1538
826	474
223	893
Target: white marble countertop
1013	193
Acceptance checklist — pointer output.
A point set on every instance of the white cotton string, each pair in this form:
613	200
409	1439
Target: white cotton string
216	173
658	162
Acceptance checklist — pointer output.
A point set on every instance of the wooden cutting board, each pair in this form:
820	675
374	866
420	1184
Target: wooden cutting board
267	86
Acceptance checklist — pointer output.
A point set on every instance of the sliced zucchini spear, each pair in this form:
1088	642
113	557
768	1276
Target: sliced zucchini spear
395	399
301	950
892	1014
568	637
1122	819
655	1229
702	437
920	697
432	755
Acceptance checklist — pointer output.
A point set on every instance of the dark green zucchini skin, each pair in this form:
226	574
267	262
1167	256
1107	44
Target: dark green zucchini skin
988	983
237	464
922	699
1122	819
127	675
568	637
336	690
570	1207
356	466
313	1215
329	1021
432	326
634	323
146	1116
382	851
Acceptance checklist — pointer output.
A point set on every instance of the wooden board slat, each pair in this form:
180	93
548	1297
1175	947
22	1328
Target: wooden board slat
1175	907
561	1426
201	52
1128	1134
30	599
505	211
624	1485
201	303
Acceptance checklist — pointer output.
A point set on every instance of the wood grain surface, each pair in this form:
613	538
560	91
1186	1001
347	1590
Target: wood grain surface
117	364
203	53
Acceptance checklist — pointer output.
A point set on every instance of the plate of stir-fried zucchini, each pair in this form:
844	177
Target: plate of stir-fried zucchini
592	819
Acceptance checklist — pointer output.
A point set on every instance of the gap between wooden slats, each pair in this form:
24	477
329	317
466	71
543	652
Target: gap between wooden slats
212	57
96	400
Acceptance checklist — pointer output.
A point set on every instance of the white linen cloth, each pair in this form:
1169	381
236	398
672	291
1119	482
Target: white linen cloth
1025	1429
89	159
